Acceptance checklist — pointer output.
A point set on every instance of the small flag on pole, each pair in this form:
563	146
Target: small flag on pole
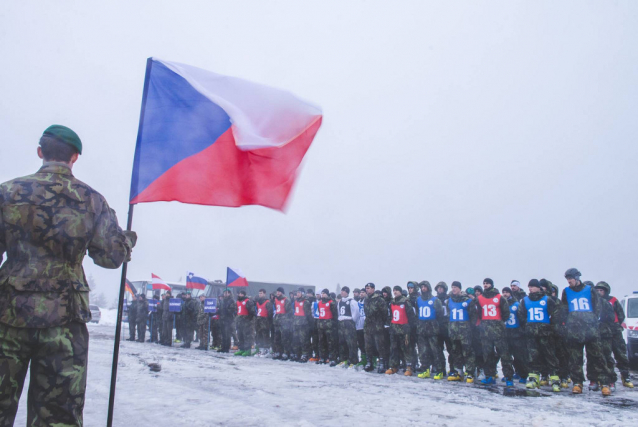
194	282
130	288
158	283
234	278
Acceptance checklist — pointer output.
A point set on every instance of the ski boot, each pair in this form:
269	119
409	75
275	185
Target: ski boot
333	363
343	364
516	376
605	390
303	359
544	380
313	359
555	382
488	381
439	376
424	374
532	381
522	380
368	367
564	383
276	356
408	371
509	382
391	371
594	386
612	387
381	366
577	389
284	357
626	382
319	362
469	378
363	361
239	353
454	376
480	375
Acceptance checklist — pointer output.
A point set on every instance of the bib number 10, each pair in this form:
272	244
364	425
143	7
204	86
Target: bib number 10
424	311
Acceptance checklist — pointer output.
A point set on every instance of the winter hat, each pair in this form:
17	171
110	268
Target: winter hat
370	285
442	285
534	284
325	291
302	290
356	291
544	283
280	289
572	273
508	290
478	290
455	284
404	292
605	286
65	135
426	284
310	291
469	291
241	292
411	284
488	280
345	289
398	288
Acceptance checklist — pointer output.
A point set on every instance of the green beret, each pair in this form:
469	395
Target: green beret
66	135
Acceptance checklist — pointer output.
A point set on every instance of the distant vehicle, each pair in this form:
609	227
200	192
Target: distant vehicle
96	314
630	327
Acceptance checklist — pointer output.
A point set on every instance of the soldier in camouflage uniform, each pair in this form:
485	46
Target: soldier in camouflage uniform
348	316
245	322
314	332
611	337
429	314
494	311
403	317
516	337
301	328
462	310
282	338
413	294
132	319
167	321
584	307
536	314
227	311
202	325
263	320
155	319
517	292
190	312
48	222
142	317
328	341
376	311
444	330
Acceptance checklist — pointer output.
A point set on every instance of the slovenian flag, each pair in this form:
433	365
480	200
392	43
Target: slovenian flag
194	282
158	283
234	278
209	139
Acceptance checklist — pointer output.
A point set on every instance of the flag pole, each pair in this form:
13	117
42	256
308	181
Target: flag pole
129	223
118	328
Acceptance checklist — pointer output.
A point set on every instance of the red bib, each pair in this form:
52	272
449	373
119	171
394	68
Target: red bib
280	308
241	308
324	310
612	301
490	307
399	316
262	311
299	311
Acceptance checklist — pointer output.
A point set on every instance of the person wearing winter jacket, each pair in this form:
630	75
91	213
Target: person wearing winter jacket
359	297
376	314
444	332
516	337
429	313
282	338
301	322
328	345
263	322
402	318
348	310
462	315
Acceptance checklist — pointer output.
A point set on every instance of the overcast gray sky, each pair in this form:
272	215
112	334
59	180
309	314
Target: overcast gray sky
461	139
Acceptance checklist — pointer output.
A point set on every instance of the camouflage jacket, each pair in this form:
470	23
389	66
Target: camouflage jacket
307	318
462	330
492	329
48	222
190	311
538	329
142	311
582	326
376	310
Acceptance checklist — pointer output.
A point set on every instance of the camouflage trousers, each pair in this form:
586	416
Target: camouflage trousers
375	342
202	333
225	327
401	348
167	332
477	347
262	332
301	339
348	342
141	330
327	342
493	349
541	355
518	349
599	370
444	340
282	340
245	332
155	327
131	330
188	330
58	357
431	353
463	355
361	342
314	339
611	345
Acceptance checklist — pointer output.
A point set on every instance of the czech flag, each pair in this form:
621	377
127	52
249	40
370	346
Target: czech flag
158	283
194	282
234	278
209	139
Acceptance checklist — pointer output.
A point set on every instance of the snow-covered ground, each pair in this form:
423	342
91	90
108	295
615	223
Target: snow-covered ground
196	388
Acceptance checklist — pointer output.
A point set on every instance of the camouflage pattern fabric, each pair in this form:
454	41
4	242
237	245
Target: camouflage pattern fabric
327	343
132	320
460	333
301	329
142	318
493	339
348	349
430	352
245	332
262	331
376	342
58	357
518	349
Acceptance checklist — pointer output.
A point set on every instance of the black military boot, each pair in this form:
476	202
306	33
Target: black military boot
381	366
369	367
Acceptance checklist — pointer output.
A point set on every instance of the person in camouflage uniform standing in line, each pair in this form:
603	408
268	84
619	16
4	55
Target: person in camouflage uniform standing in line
376	311
611	337
301	328
263	320
190	312
462	310
227	311
403	318
142	317
444	322
245	322
517	292
429	314
282	339
202	325
328	344
48	222
314	332
132	319
413	294
516	338
167	321
155	319
584	309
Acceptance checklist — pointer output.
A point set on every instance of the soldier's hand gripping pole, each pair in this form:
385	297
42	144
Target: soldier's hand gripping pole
118	328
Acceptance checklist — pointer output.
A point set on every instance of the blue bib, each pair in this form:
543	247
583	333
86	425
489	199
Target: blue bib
458	311
512	322
315	309
579	301
362	313
537	310
426	309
